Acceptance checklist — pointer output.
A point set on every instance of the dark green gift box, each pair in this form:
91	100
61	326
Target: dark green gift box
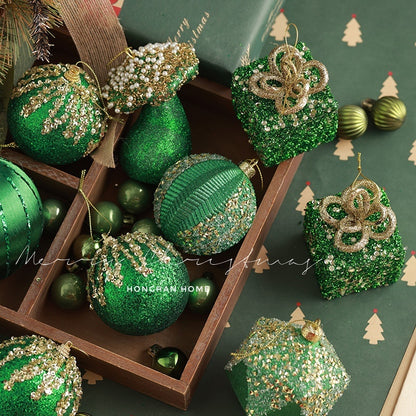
339	273
221	31
278	372
275	136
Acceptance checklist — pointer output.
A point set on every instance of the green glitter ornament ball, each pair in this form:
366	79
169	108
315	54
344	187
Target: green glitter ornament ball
137	283
55	114
160	137
204	204
21	217
38	378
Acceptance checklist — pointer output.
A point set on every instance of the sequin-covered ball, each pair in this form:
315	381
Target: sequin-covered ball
138	283
275	136
204	204
55	114
38	378
21	217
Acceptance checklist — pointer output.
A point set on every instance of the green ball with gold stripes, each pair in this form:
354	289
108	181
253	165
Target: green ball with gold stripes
55	114
204	204
21	217
39	377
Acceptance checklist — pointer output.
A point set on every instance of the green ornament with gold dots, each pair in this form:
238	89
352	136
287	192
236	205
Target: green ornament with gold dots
55	114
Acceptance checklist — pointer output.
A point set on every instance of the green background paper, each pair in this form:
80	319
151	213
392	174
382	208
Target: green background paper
389	36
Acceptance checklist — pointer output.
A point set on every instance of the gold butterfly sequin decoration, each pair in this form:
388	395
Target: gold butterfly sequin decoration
359	201
293	76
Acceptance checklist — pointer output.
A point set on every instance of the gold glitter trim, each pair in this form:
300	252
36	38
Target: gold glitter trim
49	361
295	87
359	201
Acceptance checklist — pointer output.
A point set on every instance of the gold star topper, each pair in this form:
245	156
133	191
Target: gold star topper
292	74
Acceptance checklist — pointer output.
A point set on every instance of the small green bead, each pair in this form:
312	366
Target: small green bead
83	250
146	225
203	296
135	197
110	220
54	212
170	361
68	291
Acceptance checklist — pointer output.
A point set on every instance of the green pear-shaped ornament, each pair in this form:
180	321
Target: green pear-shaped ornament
159	138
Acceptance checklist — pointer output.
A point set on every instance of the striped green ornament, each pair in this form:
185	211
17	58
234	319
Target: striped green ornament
204	204
21	217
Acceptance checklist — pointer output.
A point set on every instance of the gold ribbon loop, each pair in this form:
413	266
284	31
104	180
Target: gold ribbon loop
359	201
293	75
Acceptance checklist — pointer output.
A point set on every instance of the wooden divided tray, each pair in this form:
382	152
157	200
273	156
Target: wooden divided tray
25	306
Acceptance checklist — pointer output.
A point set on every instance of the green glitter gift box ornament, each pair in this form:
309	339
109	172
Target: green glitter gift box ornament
21	217
55	114
353	239
284	103
285	369
38	377
137	283
205	203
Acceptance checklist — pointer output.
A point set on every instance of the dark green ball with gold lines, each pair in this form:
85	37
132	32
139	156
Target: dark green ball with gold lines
204	204
55	114
387	113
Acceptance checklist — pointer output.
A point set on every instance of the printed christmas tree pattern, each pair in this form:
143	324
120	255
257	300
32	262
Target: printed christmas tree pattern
409	272
344	149
305	196
117	5
91	377
374	330
227	325
297	315
412	156
389	87
262	261
279	28
352	33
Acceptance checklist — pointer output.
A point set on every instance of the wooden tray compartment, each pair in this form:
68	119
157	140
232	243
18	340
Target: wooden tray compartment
120	357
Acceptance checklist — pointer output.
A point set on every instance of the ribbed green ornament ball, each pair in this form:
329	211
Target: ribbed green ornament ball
159	138
137	283
21	217
352	122
387	113
55	114
39	377
204	204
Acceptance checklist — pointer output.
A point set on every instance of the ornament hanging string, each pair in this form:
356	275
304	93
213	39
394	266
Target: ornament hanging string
248	165
274	328
360	173
90	205
11	145
126	50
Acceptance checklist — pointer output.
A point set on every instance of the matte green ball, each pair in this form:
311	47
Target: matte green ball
204	204
135	197
110	218
54	114
388	113
146	225
54	212
83	250
137	283
68	291
352	122
21	217
19	400
202	295
169	360
160	137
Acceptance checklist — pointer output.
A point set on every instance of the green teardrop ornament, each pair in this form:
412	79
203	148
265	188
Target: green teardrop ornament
352	122
387	113
160	137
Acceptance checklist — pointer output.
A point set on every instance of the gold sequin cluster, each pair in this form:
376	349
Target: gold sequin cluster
81	113
151	74
114	251
52	363
282	367
290	85
359	201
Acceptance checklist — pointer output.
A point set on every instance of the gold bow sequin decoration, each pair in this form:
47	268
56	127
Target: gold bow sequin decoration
359	201
295	87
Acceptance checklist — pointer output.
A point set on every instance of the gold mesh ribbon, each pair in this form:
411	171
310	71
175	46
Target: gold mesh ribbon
293	75
359	201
